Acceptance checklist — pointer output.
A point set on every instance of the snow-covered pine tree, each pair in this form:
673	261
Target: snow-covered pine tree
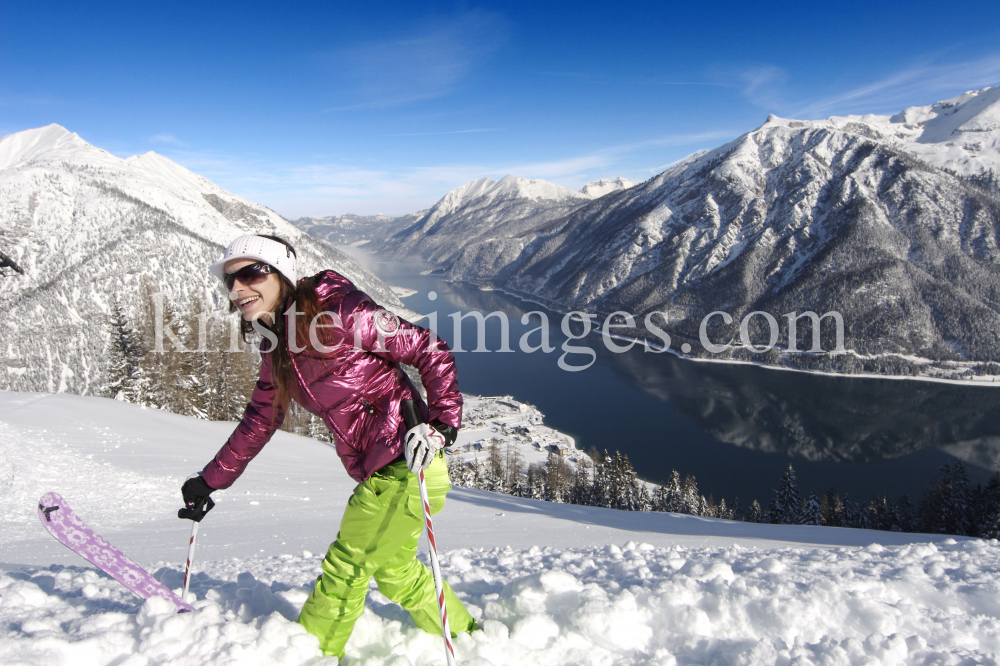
812	512
755	514
704	509
645	501
690	500
672	497
125	378
624	484
722	511
658	501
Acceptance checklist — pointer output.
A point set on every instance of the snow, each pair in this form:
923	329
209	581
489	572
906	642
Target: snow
961	133
23	147
508	187
598	188
550	583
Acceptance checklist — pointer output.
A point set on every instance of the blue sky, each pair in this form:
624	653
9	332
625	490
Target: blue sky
327	108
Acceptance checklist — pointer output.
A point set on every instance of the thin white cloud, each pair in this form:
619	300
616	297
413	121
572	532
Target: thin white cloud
924	83
424	65
764	85
166	139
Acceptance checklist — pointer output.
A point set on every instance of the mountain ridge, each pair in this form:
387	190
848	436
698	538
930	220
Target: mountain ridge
90	229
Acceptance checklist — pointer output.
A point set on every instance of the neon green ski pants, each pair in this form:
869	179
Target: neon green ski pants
378	537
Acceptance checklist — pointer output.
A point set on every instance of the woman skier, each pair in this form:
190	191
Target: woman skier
333	350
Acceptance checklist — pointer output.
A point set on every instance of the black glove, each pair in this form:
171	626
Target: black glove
449	433
197	502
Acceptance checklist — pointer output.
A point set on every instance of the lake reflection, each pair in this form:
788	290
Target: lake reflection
735	427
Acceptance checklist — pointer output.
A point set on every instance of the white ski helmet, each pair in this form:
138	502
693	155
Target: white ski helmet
263	249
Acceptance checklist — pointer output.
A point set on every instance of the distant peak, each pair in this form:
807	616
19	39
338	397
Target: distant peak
598	188
30	144
508	186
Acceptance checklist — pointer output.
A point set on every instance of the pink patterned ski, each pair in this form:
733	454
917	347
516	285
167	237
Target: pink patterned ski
66	526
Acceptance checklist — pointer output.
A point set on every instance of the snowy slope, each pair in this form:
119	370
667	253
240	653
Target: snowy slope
89	227
551	584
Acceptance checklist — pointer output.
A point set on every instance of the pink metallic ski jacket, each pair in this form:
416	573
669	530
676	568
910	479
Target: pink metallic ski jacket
356	388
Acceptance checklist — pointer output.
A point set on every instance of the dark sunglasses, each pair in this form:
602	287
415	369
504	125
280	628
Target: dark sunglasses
248	275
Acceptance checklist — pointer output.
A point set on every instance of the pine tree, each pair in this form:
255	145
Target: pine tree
126	380
755	514
946	505
659	500
786	505
906	514
583	482
851	513
736	512
601	489
690	500
988	509
672	497
812	512
831	509
960	510
723	511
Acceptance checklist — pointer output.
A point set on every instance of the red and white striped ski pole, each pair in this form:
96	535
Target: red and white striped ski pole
412	419
187	568
436	568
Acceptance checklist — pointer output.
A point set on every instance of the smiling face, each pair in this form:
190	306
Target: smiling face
257	298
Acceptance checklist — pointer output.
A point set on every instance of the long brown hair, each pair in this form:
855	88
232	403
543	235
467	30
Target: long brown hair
303	297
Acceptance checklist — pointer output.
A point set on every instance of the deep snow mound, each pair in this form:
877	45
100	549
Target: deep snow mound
634	604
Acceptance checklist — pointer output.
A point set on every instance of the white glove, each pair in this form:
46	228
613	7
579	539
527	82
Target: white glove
422	444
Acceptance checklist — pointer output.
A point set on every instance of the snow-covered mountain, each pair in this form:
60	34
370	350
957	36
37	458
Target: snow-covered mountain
480	211
355	229
88	228
598	188
853	215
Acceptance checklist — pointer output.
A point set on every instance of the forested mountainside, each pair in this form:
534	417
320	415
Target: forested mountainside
354	229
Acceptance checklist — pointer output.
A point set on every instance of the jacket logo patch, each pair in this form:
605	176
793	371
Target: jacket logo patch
386	323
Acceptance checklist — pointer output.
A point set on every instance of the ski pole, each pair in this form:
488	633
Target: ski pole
187	568
412	419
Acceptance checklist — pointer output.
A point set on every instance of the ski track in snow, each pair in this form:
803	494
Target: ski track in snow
601	588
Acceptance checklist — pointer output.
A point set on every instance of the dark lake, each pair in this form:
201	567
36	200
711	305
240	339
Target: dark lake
735	428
